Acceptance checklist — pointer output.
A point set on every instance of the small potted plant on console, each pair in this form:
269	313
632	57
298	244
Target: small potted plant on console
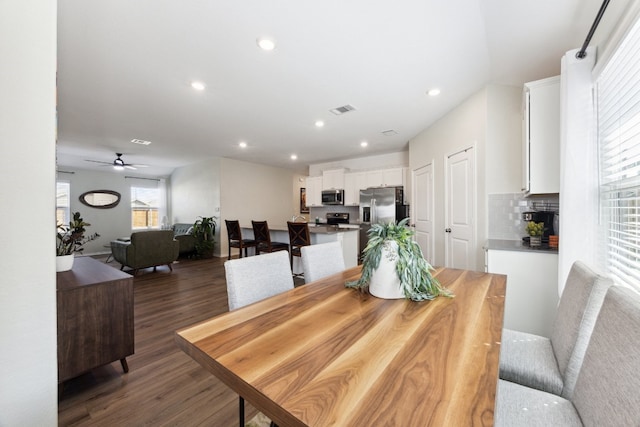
70	239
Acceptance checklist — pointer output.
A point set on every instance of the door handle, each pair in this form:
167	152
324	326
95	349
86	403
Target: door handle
447	230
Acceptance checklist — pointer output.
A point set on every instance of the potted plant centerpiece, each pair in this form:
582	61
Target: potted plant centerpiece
70	239
393	266
535	230
204	230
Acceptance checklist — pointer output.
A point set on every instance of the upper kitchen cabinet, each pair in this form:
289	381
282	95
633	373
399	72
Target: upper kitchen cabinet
393	177
314	191
353	183
541	137
333	179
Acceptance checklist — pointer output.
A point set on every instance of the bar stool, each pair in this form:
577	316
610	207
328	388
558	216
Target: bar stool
298	237
235	239
262	236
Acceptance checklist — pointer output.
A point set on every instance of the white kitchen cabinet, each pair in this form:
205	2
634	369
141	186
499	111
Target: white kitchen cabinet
353	183
541	137
333	179
373	178
393	177
314	191
532	288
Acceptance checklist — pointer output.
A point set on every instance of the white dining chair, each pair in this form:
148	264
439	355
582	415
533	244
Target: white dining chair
552	364
321	260
253	279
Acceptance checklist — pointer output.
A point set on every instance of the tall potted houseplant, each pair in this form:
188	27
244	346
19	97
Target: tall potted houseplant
393	266
69	241
204	230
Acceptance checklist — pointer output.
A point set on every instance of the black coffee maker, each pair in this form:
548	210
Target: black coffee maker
546	217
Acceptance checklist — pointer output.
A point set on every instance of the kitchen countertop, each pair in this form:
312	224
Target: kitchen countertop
316	228
516	245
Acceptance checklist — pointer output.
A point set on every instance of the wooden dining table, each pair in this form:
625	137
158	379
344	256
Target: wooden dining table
325	355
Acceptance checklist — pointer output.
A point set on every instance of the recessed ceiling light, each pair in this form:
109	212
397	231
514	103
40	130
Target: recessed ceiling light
198	85
266	44
433	92
319	123
242	144
364	144
294	157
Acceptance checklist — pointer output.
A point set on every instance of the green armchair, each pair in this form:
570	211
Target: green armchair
146	249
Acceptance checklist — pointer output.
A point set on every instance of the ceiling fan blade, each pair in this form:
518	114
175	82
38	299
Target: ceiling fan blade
141	166
130	167
98	161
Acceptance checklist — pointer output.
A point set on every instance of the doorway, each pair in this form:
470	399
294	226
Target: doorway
460	210
423	196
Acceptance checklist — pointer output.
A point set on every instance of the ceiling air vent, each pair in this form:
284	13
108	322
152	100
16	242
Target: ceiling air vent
344	109
389	132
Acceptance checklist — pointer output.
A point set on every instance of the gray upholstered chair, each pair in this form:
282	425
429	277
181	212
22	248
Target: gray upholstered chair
253	279
146	249
607	390
182	233
321	260
552	364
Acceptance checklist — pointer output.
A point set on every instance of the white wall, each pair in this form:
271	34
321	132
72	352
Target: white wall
249	191
109	223
504	139
28	368
195	192
461	128
379	161
490	121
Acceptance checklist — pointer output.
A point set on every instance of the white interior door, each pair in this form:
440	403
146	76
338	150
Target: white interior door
423	209
460	210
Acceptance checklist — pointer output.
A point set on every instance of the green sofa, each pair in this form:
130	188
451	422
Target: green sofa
146	249
182	233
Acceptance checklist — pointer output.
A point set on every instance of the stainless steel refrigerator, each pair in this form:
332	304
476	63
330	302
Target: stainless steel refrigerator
380	205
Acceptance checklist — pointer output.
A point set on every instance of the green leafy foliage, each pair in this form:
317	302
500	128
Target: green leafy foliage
204	230
70	238
413	270
534	228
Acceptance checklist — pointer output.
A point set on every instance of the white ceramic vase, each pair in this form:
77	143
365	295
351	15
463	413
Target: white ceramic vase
64	262
384	281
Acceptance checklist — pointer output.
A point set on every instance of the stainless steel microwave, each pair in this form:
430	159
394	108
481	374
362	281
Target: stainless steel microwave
333	197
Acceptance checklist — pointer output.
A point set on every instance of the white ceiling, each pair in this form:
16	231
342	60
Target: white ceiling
125	69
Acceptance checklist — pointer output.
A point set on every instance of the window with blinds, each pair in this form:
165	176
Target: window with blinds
618	113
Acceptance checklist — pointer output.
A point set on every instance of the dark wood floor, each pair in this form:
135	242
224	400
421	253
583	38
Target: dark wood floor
164	386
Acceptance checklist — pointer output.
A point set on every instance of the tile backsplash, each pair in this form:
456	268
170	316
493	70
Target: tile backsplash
505	213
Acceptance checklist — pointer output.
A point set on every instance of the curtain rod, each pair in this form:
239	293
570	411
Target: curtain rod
583	51
137	177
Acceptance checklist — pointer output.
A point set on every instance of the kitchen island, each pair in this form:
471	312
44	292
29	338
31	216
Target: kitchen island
322	233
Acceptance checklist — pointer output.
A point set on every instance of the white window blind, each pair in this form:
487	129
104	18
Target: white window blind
618	112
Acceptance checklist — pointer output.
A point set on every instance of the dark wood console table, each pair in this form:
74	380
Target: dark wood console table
95	317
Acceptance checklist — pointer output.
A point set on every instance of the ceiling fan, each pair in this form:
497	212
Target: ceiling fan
119	164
